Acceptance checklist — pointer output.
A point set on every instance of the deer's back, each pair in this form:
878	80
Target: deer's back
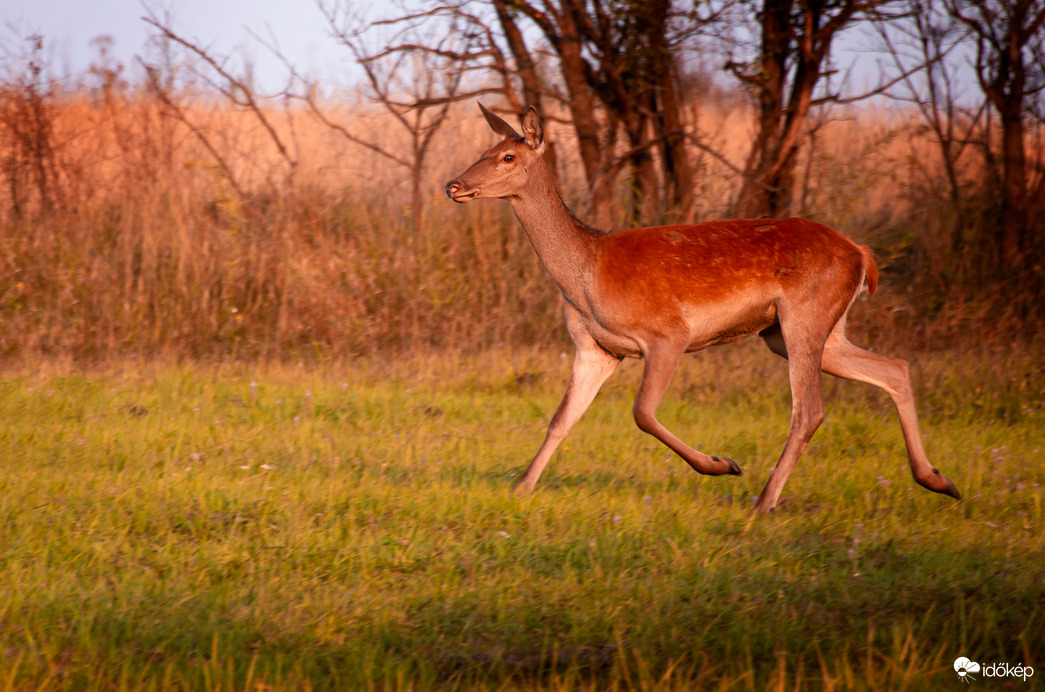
724	256
719	280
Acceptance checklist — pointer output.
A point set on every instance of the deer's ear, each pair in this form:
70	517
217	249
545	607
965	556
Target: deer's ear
497	124
533	130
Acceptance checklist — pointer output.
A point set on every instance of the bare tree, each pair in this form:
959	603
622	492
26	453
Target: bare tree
621	57
637	84
921	49
1009	37
787	75
927	50
217	72
612	67
30	164
415	78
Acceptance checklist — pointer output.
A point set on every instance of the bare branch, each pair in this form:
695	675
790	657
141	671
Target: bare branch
239	92
175	111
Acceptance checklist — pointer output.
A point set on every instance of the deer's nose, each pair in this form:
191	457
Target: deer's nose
452	187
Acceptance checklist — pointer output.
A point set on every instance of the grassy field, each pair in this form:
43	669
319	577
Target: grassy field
236	527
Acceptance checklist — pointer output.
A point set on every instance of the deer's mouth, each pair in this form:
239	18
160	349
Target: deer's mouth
458	193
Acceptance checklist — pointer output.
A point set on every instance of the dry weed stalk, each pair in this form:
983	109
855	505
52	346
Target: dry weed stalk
171	227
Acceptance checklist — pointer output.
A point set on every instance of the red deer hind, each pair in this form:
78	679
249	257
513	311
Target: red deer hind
657	293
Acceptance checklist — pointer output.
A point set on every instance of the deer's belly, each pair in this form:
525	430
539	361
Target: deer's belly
620	345
627	333
712	324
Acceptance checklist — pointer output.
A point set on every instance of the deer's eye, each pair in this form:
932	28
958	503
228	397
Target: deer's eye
508	158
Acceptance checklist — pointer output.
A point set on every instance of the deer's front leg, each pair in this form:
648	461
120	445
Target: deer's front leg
661	361
591	368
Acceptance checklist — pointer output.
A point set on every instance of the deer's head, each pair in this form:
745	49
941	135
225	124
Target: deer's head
503	169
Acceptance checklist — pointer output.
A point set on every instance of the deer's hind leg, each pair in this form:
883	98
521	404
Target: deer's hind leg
892	375
802	344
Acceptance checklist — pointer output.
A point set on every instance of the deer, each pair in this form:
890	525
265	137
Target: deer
657	293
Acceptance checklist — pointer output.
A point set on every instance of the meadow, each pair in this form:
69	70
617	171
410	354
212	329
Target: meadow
258	430
304	526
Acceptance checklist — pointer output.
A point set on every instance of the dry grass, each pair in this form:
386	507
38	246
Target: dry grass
149	249
123	233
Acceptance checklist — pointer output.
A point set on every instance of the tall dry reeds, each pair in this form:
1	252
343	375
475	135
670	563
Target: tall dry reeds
124	229
138	241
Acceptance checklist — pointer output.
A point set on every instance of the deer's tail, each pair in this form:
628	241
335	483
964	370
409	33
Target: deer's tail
870	270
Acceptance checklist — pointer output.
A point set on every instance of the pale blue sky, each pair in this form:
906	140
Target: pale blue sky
69	26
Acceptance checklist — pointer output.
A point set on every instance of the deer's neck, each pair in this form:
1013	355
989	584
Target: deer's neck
564	244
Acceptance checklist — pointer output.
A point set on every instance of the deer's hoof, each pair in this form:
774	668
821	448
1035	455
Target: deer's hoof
731	467
761	508
939	483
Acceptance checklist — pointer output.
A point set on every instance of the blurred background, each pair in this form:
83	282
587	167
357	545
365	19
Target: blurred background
262	180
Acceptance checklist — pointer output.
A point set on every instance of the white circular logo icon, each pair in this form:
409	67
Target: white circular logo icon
964	668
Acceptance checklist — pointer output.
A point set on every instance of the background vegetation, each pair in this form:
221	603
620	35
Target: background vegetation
180	213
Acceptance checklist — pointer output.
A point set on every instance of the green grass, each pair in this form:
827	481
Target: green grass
350	527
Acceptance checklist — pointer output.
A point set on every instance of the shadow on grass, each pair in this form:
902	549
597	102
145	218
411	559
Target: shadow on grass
875	614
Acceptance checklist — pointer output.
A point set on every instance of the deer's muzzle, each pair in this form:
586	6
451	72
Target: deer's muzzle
457	191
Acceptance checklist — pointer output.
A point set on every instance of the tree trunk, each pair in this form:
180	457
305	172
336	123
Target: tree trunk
646	206
527	72
1014	218
678	169
796	38
757	193
582	106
